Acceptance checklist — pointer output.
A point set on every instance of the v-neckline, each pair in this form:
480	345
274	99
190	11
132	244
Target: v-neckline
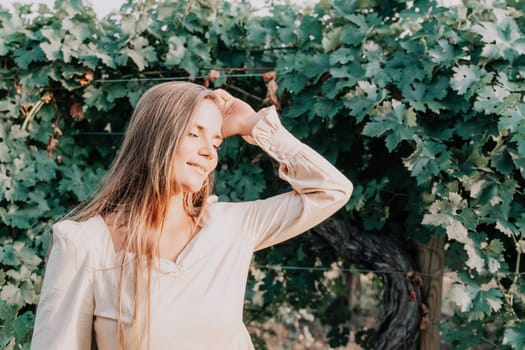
172	265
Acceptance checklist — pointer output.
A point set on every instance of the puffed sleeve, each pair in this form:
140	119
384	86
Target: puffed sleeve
64	316
319	189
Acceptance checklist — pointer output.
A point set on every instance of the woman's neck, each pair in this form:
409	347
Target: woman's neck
176	216
177	230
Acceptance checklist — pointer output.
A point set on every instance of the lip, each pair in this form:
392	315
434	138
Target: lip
202	170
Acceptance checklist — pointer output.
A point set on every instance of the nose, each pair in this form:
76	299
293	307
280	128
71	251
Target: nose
206	149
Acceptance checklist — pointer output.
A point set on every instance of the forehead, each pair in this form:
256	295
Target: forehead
207	115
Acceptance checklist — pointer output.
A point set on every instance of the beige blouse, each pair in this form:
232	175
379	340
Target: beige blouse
197	300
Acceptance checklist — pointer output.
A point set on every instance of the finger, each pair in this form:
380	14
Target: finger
222	92
224	99
220	103
224	95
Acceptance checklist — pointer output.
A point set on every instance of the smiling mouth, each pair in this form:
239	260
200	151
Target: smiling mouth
197	167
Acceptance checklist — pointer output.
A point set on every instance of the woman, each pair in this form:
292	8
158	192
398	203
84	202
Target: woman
153	260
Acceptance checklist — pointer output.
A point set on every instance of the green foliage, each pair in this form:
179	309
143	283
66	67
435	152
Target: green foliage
515	336
421	105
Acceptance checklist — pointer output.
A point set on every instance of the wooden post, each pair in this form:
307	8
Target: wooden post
431	262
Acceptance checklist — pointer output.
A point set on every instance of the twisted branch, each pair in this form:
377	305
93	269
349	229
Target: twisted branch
402	299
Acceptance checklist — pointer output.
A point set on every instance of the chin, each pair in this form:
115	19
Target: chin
192	188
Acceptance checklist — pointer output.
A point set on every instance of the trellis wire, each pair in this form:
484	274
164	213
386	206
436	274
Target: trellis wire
357	270
186	78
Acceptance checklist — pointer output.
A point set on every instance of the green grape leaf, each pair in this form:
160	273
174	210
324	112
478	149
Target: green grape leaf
363	99
23	325
490	99
52	48
198	48
462	295
397	125
293	83
512	118
80	30
343	55
426	95
97	97
331	39
464	76
4	48
427	160
502	39
310	29
448	214
315	66
93	54
444	54
12	294
141	52
515	336
25	56
326	108
519	161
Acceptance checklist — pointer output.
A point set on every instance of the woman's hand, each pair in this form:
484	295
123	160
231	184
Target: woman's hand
239	117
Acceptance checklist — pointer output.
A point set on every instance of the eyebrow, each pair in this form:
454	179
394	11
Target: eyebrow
203	128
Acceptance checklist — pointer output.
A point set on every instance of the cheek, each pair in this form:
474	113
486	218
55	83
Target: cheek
216	162
184	147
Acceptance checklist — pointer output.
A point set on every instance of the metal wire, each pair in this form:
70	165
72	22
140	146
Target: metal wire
112	81
325	268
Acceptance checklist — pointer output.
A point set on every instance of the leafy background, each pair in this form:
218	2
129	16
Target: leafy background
421	105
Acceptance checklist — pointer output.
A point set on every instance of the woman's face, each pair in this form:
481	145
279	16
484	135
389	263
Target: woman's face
196	157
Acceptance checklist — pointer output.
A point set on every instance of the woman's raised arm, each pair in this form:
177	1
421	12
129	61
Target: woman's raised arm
319	189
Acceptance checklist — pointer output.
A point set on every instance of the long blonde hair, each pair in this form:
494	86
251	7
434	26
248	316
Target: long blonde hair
137	187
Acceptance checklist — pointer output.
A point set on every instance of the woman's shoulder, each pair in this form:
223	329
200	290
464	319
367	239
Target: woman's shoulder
226	213
219	207
86	235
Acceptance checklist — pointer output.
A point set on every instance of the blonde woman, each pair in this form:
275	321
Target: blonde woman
153	260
